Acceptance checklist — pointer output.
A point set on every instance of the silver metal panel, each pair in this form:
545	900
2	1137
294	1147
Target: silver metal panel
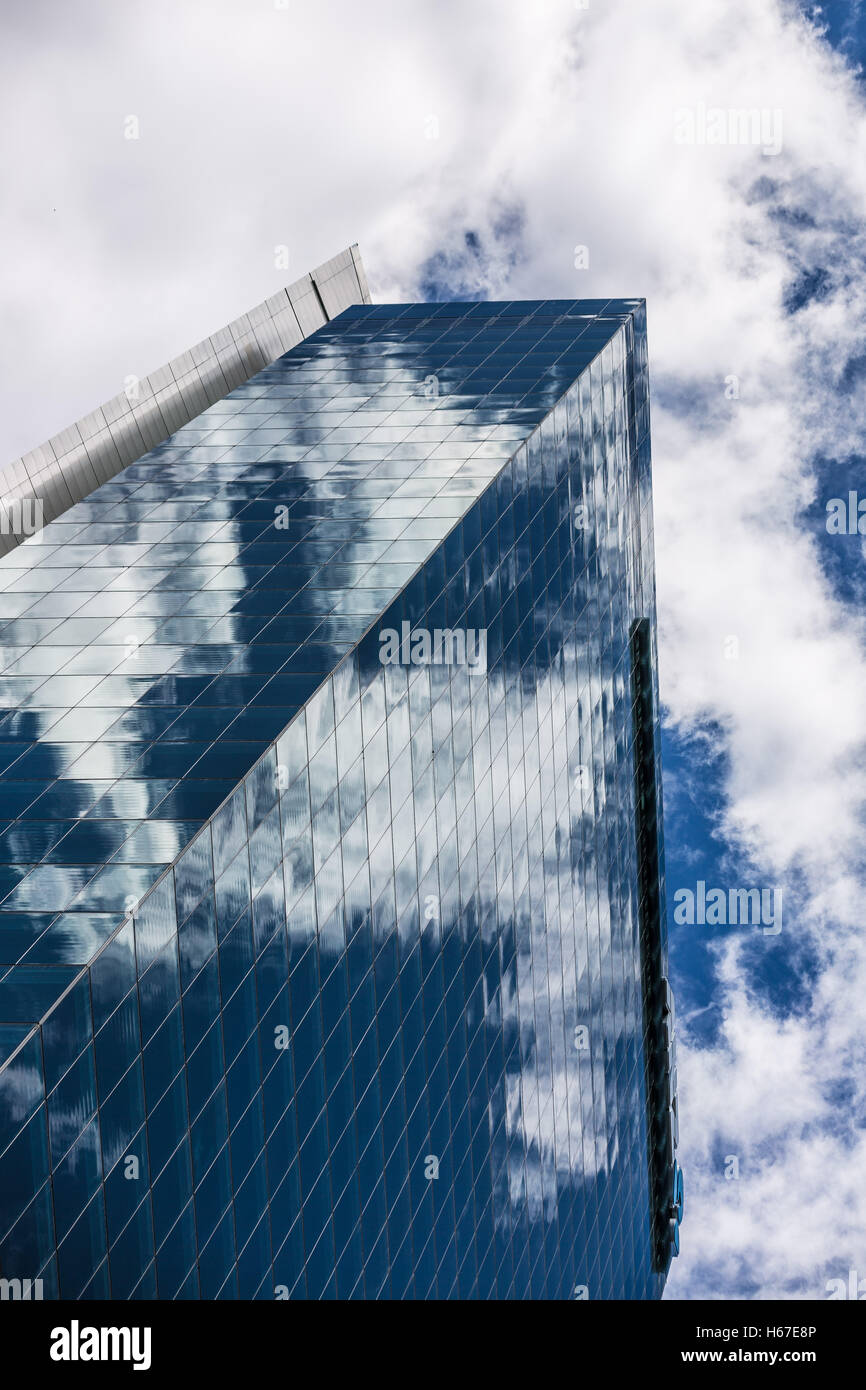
150	424
171	405
287	327
160	379
117	407
336	281
307	305
258	315
361	274
93	449
91	424
182	366
220	340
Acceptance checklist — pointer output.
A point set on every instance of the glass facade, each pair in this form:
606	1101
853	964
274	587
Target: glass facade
322	918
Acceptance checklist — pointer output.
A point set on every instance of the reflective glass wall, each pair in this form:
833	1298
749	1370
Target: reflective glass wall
378	1030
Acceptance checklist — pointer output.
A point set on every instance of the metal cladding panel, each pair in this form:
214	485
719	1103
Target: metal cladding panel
111	436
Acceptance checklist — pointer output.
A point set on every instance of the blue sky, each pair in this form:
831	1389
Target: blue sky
504	150
784	972
844	22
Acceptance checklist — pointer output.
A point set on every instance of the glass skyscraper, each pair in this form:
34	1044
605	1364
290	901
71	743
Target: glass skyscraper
332	959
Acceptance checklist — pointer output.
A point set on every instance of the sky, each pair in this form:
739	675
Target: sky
565	150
